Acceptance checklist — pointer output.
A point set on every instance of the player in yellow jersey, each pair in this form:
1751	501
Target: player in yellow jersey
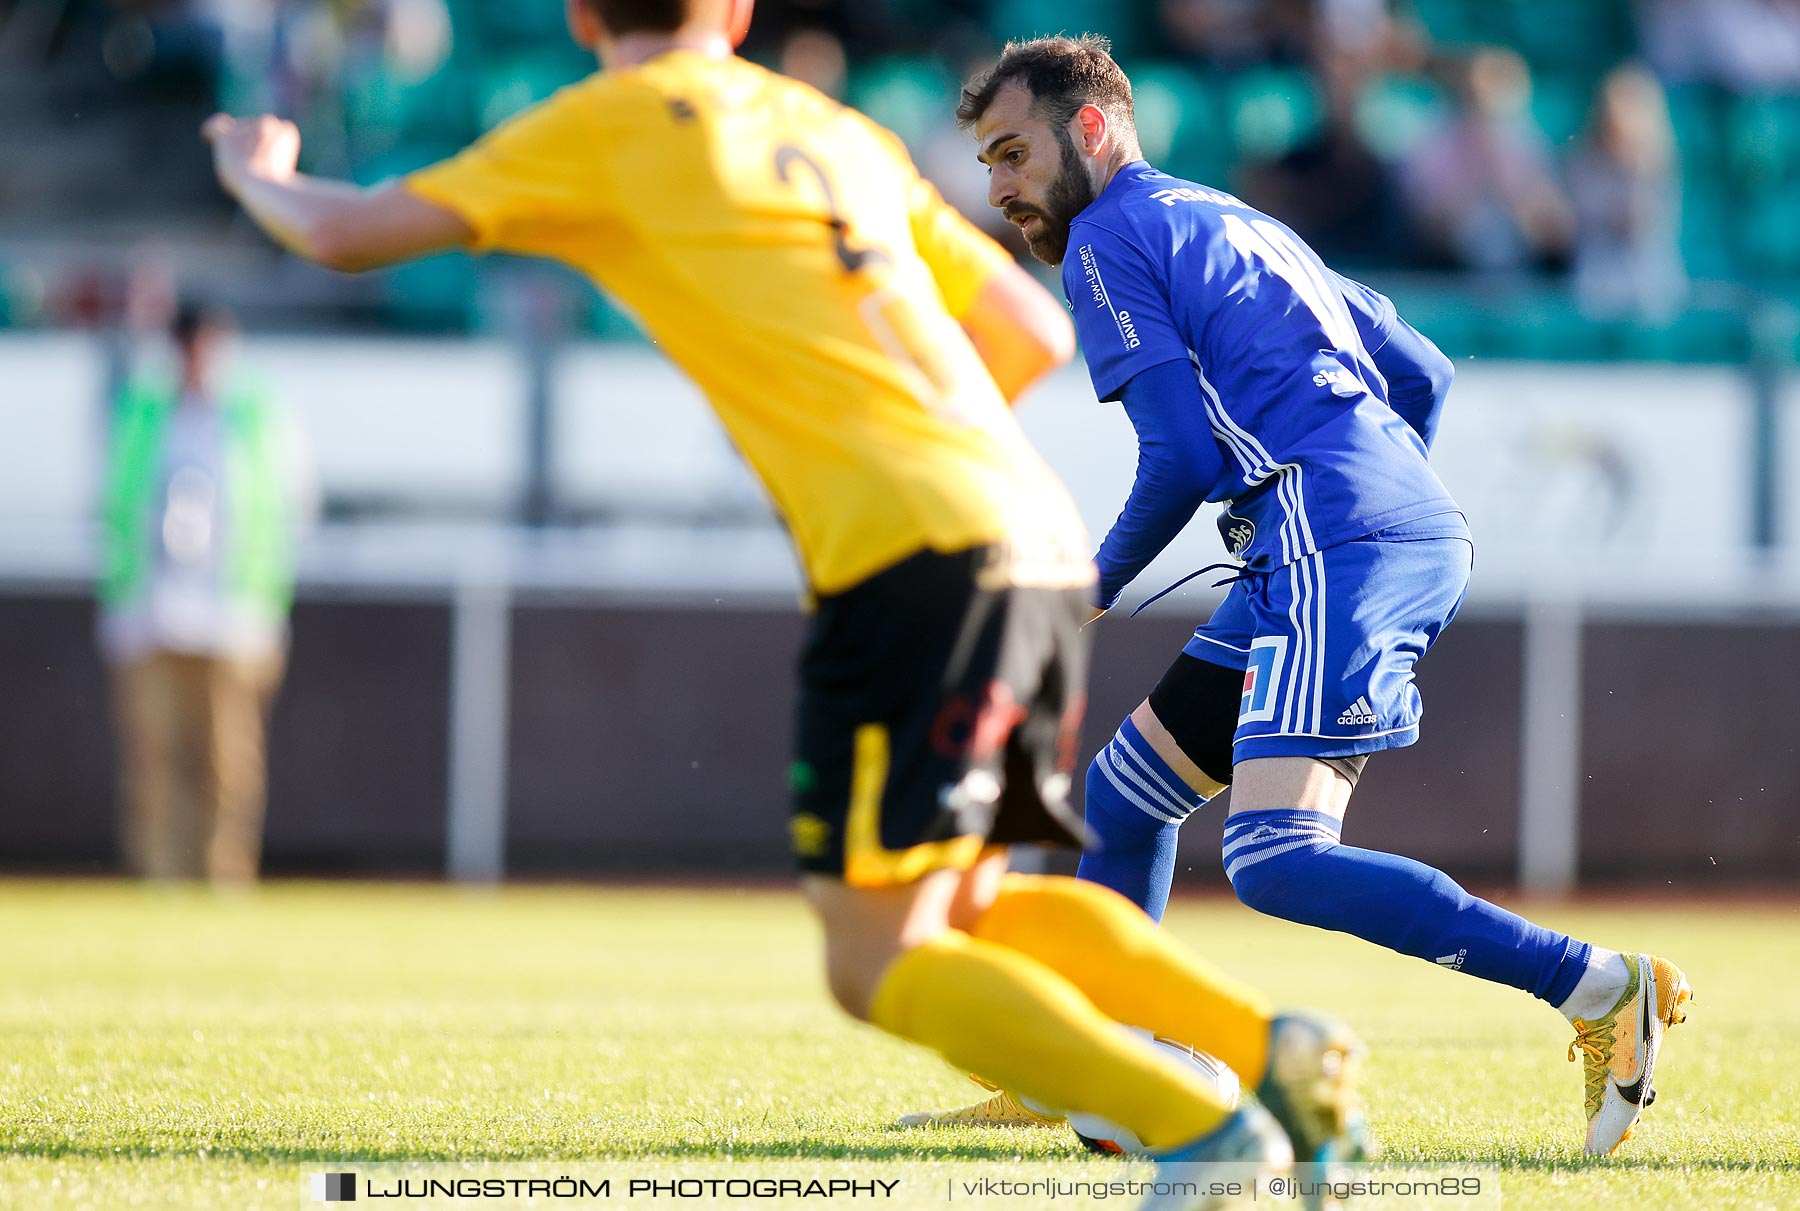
860	340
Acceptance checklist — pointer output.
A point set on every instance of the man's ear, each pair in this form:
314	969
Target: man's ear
584	26
1090	128
737	26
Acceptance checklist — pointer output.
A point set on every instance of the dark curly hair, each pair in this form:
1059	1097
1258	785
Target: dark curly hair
1061	73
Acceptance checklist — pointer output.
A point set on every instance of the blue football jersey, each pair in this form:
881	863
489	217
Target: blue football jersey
1160	269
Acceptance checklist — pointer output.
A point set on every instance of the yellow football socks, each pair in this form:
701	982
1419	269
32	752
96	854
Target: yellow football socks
987	1008
1131	970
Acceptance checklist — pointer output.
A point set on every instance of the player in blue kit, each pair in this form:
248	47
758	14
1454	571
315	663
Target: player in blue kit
1257	378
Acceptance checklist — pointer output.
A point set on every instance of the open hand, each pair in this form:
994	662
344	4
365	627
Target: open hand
264	146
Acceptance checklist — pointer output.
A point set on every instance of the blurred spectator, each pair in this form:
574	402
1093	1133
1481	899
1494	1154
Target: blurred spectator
1749	46
1333	189
204	493
1623	181
1367	34
817	57
1483	189
1224	33
1242	33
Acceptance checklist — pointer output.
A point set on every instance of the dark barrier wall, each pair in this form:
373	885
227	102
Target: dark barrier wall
56	752
654	740
650	740
1692	750
357	742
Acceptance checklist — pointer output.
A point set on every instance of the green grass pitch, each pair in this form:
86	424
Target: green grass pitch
181	1049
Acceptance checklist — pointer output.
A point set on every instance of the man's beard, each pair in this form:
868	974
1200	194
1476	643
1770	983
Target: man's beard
1069	195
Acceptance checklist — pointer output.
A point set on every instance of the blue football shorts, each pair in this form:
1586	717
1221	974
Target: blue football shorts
1327	644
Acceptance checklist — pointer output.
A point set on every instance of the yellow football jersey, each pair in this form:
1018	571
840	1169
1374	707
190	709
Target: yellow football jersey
783	250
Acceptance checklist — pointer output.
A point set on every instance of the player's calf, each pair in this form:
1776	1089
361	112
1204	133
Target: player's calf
1290	864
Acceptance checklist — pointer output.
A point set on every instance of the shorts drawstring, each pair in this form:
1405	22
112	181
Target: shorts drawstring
1239	572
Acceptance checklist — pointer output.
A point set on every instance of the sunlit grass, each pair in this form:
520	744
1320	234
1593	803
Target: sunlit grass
181	1049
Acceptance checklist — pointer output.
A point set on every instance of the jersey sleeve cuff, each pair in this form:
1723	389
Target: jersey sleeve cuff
432	185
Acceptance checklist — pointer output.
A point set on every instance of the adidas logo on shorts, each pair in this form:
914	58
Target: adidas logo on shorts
1360	712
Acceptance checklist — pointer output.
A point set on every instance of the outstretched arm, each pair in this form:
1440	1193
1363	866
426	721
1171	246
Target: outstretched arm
1019	329
1178	465
337	224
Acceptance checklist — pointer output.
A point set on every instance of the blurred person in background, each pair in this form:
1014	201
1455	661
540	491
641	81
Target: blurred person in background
205	491
1748	46
816	57
1233	34
1627	199
1333	189
1220	33
1483	189
1368	34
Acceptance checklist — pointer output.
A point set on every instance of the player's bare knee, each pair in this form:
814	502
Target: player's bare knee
855	965
866	929
855	958
1290	784
852	984
976	891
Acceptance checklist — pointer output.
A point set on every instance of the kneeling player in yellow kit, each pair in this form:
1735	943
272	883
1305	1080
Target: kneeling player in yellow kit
850	329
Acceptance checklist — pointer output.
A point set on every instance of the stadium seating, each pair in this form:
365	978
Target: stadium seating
1739	156
1183	122
1394	112
910	96
1272	111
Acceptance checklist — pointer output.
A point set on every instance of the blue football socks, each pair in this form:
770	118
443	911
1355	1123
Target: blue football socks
1135	806
1290	864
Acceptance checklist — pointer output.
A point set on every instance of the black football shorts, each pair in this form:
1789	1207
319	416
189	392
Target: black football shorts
939	714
